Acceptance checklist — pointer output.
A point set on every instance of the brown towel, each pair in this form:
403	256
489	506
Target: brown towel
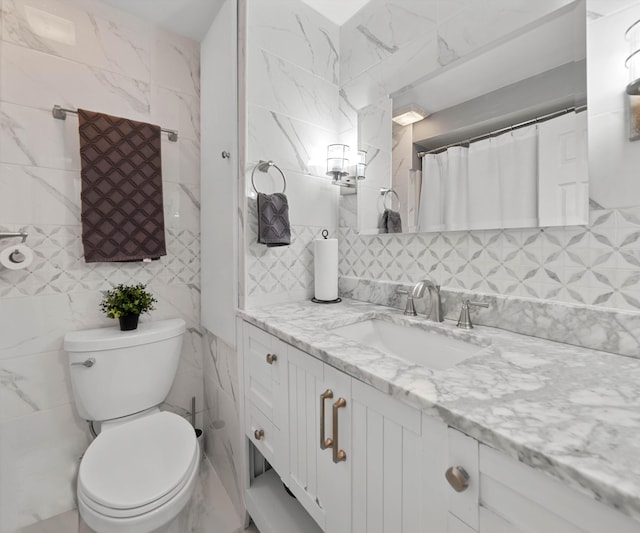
122	208
273	220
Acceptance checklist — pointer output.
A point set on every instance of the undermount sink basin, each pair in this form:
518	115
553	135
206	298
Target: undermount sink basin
413	344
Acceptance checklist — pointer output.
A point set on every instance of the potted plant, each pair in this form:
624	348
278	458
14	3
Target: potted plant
127	303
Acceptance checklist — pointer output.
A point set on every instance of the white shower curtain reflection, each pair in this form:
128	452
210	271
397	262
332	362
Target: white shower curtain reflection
518	166
456	189
430	212
527	177
485	199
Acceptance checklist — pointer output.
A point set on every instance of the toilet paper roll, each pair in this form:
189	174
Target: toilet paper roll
325	269
16	257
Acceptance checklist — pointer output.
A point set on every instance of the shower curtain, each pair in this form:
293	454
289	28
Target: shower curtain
485	198
496	182
430	207
518	155
456	189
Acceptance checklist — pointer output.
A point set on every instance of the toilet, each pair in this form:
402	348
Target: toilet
140	471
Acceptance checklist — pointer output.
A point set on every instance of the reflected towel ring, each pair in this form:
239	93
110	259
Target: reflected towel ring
264	166
385	192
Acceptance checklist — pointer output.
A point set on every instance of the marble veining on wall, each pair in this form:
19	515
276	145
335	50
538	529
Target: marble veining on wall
292	104
223	433
109	61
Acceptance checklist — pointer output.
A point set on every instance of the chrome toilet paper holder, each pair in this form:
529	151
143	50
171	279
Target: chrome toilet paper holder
17	256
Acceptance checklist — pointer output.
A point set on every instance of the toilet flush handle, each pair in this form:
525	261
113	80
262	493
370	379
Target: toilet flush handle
88	363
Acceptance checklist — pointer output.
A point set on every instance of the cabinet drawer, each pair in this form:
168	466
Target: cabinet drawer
264	435
535	502
265	363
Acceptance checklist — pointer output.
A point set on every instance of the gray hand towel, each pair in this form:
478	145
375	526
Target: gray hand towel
382	221
273	220
394	222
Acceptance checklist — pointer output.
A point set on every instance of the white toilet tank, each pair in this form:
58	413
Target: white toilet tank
117	373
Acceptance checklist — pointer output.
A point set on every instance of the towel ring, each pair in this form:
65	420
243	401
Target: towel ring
385	192
264	166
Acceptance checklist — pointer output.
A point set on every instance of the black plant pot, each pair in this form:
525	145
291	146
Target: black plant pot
128	322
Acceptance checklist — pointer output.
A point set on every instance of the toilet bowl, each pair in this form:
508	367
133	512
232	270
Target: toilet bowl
140	471
137	476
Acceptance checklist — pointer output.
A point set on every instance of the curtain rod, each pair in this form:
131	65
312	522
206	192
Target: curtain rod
61	114
576	109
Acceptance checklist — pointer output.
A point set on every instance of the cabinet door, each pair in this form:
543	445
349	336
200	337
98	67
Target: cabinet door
334	467
444	509
319	484
386	464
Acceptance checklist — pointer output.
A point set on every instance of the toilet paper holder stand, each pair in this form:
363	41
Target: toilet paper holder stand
17	256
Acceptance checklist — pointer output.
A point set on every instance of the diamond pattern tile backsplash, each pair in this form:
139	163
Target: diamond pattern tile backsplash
286	269
595	265
58	266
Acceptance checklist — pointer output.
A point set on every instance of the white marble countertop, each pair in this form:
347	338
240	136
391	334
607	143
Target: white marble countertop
572	412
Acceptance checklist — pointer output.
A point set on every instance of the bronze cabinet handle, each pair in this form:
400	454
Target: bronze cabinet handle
338	455
324	442
271	358
259	434
458	478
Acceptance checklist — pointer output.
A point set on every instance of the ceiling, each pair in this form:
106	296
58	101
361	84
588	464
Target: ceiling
192	18
337	11
606	7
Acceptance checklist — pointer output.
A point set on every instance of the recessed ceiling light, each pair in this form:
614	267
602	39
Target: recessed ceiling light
409	114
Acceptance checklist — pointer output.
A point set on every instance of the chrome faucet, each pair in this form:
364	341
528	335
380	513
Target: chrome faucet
435	305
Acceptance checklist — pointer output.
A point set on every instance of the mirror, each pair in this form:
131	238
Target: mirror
483	73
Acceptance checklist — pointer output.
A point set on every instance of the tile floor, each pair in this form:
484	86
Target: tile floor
212	510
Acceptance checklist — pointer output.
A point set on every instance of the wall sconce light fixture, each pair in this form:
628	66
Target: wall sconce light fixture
633	88
361	165
339	168
409	114
633	60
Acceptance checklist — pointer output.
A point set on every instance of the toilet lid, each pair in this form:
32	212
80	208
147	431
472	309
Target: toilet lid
134	464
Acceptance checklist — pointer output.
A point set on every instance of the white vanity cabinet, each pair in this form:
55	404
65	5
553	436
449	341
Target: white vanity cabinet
358	460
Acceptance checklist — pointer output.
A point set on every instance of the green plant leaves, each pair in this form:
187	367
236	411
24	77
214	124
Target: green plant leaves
127	300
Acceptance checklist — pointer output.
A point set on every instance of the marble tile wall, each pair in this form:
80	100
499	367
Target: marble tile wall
86	55
223	434
292	105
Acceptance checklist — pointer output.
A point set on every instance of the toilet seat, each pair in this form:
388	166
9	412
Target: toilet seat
138	466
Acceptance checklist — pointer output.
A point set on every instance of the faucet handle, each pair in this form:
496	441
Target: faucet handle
464	321
409	309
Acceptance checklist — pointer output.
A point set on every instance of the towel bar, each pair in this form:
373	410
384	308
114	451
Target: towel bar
264	166
10	235
385	192
61	114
